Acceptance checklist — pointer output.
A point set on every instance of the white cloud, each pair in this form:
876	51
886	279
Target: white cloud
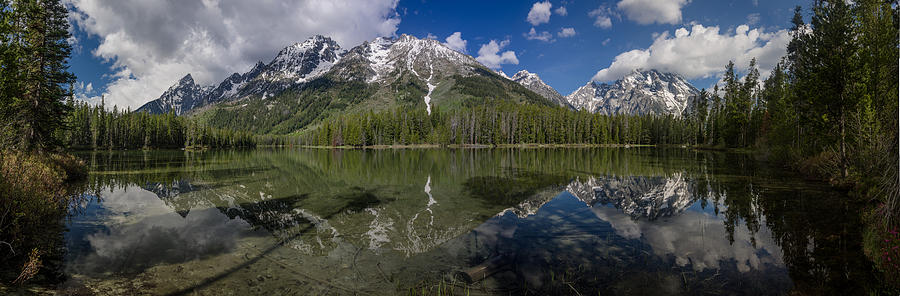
702	52
456	42
152	44
605	41
489	55
646	12
83	92
602	17
561	11
431	36
73	42
535	35
698	240
539	13
753	19
566	32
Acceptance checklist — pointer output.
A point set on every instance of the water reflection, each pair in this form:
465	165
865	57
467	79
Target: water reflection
638	196
547	221
136	230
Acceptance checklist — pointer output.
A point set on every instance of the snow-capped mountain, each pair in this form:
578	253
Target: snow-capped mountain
404	69
384	60
640	92
229	88
637	196
534	83
293	65
181	97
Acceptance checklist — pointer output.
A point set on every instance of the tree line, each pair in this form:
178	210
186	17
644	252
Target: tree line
498	123
94	127
829	107
833	96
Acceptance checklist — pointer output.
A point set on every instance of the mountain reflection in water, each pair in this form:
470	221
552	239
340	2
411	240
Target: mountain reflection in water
547	221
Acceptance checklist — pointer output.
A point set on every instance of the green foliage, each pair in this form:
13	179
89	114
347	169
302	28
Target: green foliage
832	104
501	123
290	110
488	86
33	73
95	127
33	199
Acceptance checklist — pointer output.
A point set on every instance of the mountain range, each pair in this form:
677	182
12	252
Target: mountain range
317	78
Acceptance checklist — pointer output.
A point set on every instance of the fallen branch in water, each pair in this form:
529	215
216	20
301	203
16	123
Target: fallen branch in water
10	247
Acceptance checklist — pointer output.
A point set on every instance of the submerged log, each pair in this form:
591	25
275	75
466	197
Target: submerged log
485	269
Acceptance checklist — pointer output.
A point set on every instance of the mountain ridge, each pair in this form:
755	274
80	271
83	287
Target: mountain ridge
534	83
639	92
398	71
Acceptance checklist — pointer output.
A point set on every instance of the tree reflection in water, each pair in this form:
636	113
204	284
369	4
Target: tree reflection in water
549	221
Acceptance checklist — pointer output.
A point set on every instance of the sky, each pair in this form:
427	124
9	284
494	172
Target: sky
130	51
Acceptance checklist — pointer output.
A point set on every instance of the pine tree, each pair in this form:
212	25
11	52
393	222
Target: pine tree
45	53
835	58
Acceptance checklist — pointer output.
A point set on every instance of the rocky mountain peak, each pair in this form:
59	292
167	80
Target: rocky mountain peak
639	92
180	97
186	80
305	60
524	74
382	61
534	83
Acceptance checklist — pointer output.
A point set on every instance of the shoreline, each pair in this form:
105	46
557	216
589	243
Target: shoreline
481	146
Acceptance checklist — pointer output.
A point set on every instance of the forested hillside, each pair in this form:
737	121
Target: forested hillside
329	96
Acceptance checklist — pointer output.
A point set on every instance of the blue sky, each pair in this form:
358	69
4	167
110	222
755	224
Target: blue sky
131	50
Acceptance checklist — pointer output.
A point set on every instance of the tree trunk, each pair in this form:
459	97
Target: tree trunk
843	143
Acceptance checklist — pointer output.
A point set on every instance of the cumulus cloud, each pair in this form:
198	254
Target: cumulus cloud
489	54
605	41
456	42
152	44
602	17
566	32
702	52
535	35
561	11
539	13
646	12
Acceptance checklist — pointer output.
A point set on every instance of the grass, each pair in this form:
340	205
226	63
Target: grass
33	200
881	243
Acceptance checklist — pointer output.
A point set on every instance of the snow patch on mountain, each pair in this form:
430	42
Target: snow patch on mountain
179	98
534	83
640	92
383	60
637	196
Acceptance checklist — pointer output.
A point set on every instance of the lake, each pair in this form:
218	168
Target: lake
573	221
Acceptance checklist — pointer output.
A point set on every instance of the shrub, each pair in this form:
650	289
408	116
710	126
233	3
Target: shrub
33	199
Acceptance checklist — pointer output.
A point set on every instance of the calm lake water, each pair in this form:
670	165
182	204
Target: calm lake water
478	221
